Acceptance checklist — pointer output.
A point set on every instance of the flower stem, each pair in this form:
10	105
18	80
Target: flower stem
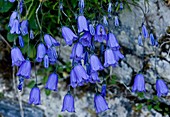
37	15
3	39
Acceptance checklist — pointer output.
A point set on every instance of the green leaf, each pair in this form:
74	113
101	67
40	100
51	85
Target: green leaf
44	80
156	107
47	92
29	49
166	109
25	48
59	115
118	7
113	80
32	23
1	95
26	38
60	69
155	98
5	6
141	94
149	107
11	37
32	51
95	1
105	1
31	84
139	107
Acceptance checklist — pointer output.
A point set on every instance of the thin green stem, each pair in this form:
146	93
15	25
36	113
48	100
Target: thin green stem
5	41
29	8
37	15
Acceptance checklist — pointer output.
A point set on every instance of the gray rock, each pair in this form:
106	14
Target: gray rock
150	76
134	62
123	72
162	67
9	108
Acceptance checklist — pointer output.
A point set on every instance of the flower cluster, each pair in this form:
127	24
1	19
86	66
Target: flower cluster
144	32
139	85
84	47
139	81
88	59
46	52
20	28
85	62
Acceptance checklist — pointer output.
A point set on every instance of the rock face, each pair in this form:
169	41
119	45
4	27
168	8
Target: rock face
9	108
120	106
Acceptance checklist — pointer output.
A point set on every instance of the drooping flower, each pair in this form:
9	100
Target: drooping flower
21	41
68	103
121	6
12	18
35	97
12	0
116	21
50	41
61	6
103	90
81	4
25	69
118	55
16	56
21	6
100	103
109	58
46	61
140	43
24	27
139	83
161	88
41	51
85	40
152	39
116	4
15	27
112	41
91	29
20	85
31	34
105	21
100	33
95	63
93	77
109	10
68	35
52	54
77	76
82	24
144	31
52	82
77	52
156	43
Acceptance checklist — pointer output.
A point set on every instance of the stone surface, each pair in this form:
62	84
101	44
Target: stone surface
123	72
134	62
10	108
162	67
